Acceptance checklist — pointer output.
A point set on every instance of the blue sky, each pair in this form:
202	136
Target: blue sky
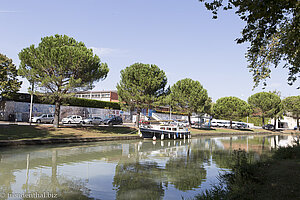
179	36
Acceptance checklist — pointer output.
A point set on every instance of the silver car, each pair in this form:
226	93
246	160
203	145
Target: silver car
43	118
93	120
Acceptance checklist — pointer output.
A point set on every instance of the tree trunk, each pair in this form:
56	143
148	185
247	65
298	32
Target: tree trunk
275	123
56	114
54	181
298	128
263	120
189	118
231	123
137	123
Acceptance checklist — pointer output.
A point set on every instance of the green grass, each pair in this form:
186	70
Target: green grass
16	132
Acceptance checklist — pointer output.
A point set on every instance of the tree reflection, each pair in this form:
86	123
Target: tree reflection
187	173
64	187
7	178
223	159
138	181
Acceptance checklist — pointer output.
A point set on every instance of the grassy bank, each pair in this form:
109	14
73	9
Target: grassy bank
275	178
226	130
17	132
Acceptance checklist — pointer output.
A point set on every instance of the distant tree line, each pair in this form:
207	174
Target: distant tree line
60	66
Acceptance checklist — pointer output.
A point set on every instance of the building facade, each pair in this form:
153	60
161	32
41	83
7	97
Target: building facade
285	123
111	96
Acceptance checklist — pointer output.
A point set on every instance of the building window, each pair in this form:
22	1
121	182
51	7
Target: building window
105	95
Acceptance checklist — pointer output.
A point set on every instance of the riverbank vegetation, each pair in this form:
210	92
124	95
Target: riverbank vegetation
277	177
227	130
18	132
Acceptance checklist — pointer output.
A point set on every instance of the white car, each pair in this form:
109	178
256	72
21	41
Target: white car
214	124
93	120
240	125
72	119
43	118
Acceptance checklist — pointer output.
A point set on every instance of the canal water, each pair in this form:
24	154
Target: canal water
136	169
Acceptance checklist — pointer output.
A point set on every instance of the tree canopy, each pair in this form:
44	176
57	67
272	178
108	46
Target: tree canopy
292	104
189	96
141	85
60	65
231	108
265	104
8	77
272	29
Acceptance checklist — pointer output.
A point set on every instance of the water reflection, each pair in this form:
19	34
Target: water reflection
128	169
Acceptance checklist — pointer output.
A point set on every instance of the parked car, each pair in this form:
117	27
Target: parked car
220	123
113	121
268	126
93	120
240	125
225	124
295	128
214	124
72	119
43	118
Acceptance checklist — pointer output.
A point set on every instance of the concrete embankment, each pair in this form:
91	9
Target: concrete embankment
4	143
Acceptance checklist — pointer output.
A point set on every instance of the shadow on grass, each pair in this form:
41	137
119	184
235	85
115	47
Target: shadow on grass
109	129
14	132
245	129
10	132
204	128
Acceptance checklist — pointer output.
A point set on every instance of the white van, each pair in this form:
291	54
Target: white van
220	123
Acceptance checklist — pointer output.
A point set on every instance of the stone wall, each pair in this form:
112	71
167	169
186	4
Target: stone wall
19	111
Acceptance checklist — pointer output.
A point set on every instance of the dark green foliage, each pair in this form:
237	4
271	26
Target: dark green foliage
272	29
288	152
265	104
189	96
292	105
249	180
9	83
92	103
254	120
60	65
231	108
234	184
141	85
72	101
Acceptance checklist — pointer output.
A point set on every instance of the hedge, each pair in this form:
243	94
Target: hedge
73	101
91	103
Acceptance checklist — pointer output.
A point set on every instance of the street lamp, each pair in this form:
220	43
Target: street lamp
31	103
